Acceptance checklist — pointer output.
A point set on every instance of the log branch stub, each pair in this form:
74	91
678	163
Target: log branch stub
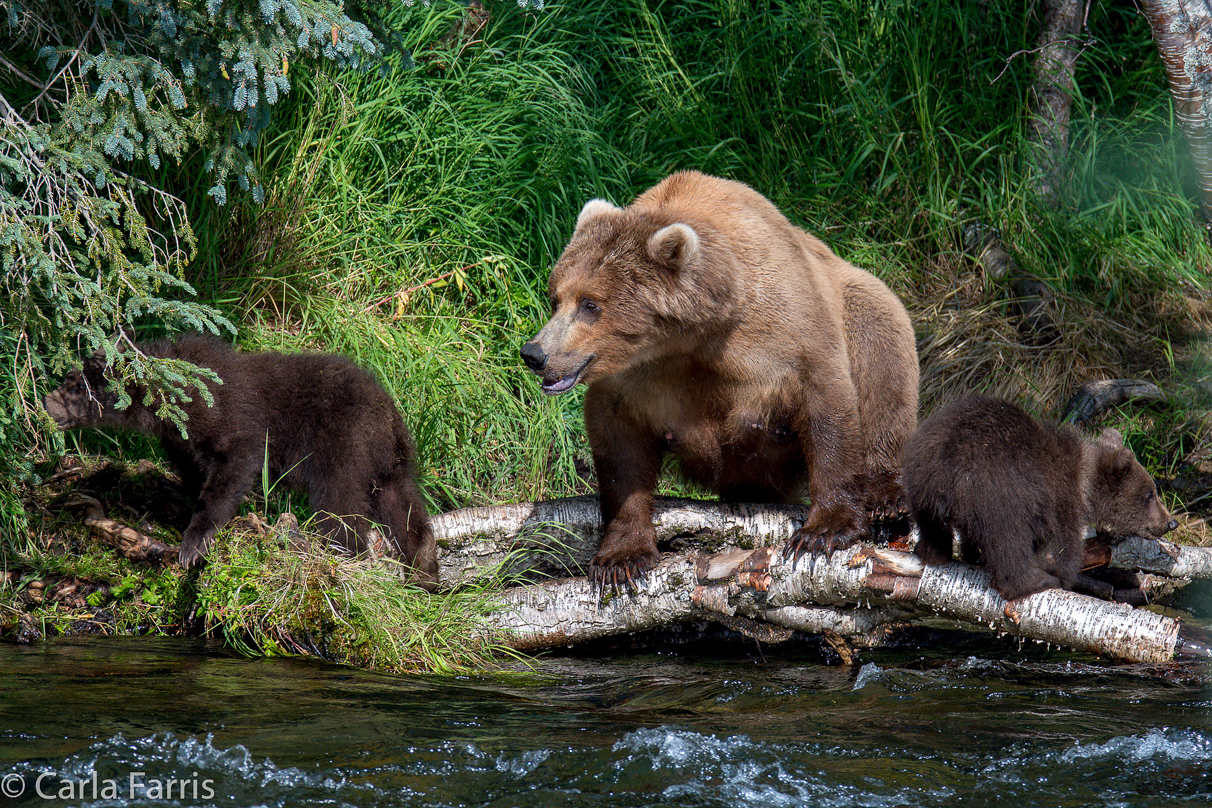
1096	397
131	543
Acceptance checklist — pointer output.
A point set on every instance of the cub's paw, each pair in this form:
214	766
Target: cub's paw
193	549
1024	584
886	500
827	529
623	560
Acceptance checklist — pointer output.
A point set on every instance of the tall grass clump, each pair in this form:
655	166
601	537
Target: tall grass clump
267	598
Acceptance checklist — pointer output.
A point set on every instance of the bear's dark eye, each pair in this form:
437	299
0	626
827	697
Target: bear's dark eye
1149	497
589	307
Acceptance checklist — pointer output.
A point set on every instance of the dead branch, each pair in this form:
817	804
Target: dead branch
1096	397
1161	557
1029	296
130	542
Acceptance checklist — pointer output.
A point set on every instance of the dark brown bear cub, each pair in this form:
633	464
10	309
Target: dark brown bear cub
331	431
1021	493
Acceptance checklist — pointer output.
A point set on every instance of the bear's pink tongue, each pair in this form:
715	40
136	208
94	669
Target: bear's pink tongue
563	385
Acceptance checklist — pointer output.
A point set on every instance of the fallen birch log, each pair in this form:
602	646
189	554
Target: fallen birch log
758	582
559	537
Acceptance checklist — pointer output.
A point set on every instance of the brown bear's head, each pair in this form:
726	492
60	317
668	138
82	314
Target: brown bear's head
1124	500
83	398
633	286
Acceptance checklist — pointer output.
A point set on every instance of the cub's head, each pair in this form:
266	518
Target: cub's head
82	399
632	286
1124	498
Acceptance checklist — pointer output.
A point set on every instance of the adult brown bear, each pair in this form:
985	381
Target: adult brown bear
705	324
330	429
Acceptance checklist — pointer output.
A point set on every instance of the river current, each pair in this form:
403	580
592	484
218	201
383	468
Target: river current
970	721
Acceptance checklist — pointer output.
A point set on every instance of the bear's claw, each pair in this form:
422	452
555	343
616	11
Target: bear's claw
825	531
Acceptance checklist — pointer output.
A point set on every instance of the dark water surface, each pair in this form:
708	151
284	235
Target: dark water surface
989	725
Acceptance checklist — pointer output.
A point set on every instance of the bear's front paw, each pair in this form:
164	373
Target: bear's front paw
827	529
887	507
886	499
624	558
193	548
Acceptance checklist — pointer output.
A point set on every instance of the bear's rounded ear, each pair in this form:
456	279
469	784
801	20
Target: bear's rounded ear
595	208
1111	439
674	246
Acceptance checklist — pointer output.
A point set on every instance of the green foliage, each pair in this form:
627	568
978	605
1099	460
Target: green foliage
97	98
410	218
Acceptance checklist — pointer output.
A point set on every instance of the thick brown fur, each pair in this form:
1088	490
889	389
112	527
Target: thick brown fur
331	429
705	324
1021	493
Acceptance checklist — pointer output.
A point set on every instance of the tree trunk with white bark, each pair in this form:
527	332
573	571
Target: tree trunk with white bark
1182	30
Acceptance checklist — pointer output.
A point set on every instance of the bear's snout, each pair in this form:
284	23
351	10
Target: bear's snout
534	356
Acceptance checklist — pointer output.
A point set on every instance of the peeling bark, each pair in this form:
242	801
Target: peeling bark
1182	30
739	574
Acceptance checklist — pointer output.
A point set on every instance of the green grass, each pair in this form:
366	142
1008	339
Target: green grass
265	598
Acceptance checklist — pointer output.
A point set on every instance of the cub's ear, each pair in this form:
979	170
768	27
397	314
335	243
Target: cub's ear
595	208
1111	439
674	246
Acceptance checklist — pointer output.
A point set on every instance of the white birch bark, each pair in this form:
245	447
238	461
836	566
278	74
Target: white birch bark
760	582
558	538
1182	30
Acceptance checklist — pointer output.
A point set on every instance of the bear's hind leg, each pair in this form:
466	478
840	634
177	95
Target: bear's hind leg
1009	550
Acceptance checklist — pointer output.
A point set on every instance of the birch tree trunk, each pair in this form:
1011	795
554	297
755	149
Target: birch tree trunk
1051	92
1182	30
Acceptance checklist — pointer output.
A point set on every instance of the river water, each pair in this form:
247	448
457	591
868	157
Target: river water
957	720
